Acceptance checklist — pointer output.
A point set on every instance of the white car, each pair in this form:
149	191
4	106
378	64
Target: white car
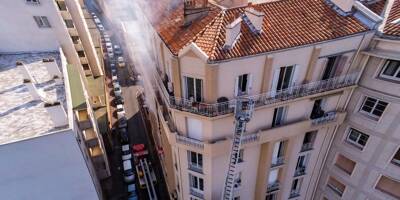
126	152
117	89
121	62
101	27
120	111
114	78
108	45
107	39
110	52
129	176
96	20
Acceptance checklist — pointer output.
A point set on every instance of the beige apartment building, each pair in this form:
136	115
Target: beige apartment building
363	162
298	60
65	27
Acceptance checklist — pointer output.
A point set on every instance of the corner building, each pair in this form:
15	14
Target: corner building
297	59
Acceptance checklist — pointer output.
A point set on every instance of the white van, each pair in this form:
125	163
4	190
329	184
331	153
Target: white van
126	152
129	176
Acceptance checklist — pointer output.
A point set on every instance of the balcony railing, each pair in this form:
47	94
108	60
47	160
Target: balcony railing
273	186
250	138
306	147
327	117
196	193
300	171
189	141
277	161
294	193
195	167
216	109
335	189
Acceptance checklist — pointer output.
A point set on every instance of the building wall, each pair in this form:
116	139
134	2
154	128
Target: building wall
374	160
47	167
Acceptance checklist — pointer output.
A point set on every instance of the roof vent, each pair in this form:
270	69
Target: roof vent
232	33
52	67
253	19
194	10
57	113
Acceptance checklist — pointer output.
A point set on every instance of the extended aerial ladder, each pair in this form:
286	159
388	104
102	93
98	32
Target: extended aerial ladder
243	111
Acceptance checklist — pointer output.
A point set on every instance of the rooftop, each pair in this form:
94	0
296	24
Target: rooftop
21	116
287	23
392	26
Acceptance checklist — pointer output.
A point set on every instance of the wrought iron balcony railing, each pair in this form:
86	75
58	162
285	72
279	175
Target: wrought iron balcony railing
216	109
306	147
277	161
273	186
300	171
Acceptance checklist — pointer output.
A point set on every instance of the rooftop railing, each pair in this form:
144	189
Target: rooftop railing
216	109
189	141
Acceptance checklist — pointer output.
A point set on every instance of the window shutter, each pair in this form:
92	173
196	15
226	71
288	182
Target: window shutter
324	62
250	83
236	87
340	65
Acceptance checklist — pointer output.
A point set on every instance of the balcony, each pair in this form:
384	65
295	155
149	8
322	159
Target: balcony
300	171
189	141
73	32
335	189
65	14
90	137
222	108
277	161
196	193
294	193
195	167
78	46
83	60
327	117
273	187
306	147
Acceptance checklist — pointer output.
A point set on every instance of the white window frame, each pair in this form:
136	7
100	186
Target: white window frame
42	21
185	79
192	184
385	65
355	143
198	164
370	113
249	85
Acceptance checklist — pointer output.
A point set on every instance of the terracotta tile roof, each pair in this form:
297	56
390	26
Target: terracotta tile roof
376	6
393	29
287	23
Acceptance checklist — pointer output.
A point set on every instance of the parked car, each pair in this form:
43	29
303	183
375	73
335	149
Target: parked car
112	65
122	123
101	27
113	72
117	50
124	136
96	20
121	62
126	152
107	39
119	100
108	45
117	89
110	52
129	176
120	111
114	78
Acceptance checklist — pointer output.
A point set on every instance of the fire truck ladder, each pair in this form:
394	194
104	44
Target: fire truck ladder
243	112
148	179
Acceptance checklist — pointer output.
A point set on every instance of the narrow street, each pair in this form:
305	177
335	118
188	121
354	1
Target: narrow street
138	124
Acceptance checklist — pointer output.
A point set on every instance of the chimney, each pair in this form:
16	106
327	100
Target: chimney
194	10
52	67
254	19
32	89
344	5
25	72
57	113
232	33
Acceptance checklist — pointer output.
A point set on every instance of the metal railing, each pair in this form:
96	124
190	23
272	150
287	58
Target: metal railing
216	109
277	161
294	193
189	141
335	189
196	193
195	167
250	138
327	117
300	171
273	186
306	147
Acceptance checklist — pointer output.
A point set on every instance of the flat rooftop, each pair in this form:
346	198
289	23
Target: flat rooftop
21	116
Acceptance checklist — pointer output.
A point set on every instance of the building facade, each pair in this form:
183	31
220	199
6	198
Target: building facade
263	51
363	162
65	27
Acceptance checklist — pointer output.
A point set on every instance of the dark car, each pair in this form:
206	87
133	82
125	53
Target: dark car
124	136
119	100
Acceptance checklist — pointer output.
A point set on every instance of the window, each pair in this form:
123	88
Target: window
278	154
195	161
389	186
345	164
396	158
243	84
81	53
61	5
285	77
308	141
357	138
391	70
295	189
236	198
75	39
301	165
196	185
373	107
336	186
34	2
272	196
42	21
85	67
194	89
279	115
69	23
238	180
240	159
